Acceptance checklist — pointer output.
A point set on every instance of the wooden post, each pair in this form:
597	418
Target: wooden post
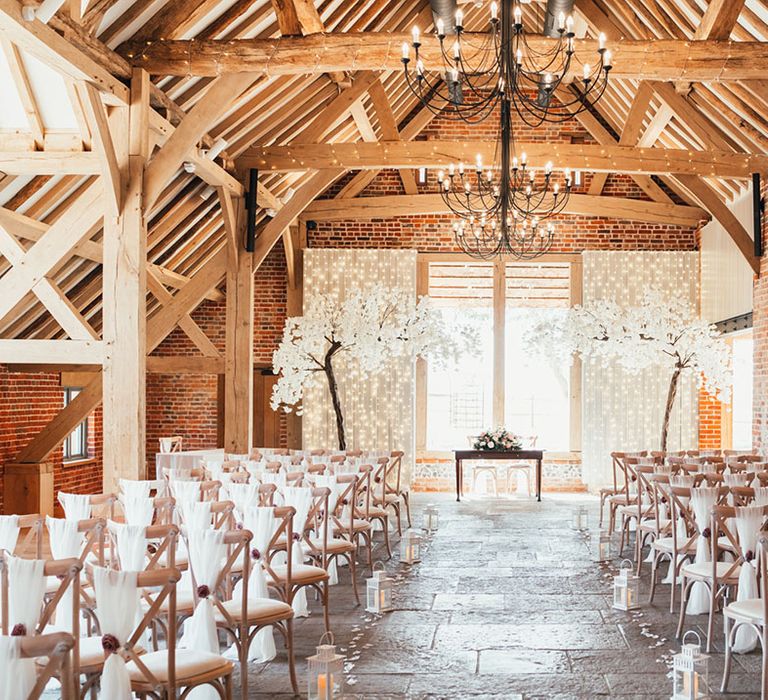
295	302
124	309
238	381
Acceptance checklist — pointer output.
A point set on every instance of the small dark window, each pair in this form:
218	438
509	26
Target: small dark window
76	444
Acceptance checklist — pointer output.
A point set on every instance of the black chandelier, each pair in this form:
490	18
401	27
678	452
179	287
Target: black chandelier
503	210
480	70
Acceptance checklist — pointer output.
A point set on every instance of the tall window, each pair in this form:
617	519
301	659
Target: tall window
503	384
537	391
76	444
741	399
460	396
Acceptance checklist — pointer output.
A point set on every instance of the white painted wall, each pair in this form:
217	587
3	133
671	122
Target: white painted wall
726	277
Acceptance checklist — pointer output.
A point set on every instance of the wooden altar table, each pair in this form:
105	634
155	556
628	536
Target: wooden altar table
507	455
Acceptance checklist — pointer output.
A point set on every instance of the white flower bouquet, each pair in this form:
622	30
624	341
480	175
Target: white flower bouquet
498	439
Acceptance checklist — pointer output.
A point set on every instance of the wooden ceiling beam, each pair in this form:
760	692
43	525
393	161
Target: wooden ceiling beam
666	59
389	206
50	163
719	19
437	154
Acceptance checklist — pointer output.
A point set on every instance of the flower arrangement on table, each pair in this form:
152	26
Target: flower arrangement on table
498	439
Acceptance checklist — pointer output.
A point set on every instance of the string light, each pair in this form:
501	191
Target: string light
378	409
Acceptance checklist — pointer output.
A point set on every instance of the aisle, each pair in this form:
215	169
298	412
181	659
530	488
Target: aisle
507	604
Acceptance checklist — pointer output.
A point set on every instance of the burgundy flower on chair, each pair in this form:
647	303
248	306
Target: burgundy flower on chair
203	591
706	532
296	536
255	554
19	630
110	643
750	555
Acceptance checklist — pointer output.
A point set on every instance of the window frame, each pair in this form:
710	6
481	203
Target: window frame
499	345
68	455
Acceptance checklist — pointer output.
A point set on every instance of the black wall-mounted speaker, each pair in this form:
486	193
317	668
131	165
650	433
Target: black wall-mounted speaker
250	210
758	209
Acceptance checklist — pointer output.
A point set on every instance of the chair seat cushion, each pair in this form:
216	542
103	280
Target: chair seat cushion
266	609
189	665
334	544
751	609
664	544
303	573
704	570
358	524
185	601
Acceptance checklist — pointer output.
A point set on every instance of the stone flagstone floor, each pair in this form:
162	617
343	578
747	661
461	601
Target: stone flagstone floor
507	604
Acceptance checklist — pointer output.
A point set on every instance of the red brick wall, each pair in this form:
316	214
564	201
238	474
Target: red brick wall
27	403
710	421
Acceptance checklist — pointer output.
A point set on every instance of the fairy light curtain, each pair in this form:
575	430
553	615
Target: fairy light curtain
622	411
379	410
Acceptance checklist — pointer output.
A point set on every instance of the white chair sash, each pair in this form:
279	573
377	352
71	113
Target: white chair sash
207	553
138	510
76	506
131	545
243	496
139	488
329	481
301	500
17	675
702	500
9	532
684	481
117	603
255	468
196	515
66	542
761	496
748	520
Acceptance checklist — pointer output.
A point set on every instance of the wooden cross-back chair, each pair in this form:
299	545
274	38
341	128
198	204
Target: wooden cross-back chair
30	542
54	652
66	573
374	497
618	494
242	617
342	542
672	546
717	576
649	509
752	613
161	540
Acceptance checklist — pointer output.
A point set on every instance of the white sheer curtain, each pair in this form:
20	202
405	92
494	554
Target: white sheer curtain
623	411
117	602
378	411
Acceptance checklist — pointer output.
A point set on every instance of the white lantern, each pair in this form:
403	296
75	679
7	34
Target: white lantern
431	518
326	672
410	547
602	547
690	672
579	518
379	589
626	588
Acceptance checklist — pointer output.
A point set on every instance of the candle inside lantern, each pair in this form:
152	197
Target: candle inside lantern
325	686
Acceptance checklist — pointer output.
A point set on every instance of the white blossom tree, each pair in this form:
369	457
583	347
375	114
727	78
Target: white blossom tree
368	328
659	332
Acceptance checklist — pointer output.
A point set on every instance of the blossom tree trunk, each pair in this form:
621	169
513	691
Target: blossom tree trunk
333	388
671	395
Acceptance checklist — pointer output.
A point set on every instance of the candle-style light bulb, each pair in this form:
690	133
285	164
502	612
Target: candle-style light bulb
451	169
406	50
479	162
561	21
518	15
440	176
601	41
607	59
459	18
440	27
523	158
420	67
587	71
494	11
514	163
519	57
569	24
548	168
416	35
456	50
461	167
